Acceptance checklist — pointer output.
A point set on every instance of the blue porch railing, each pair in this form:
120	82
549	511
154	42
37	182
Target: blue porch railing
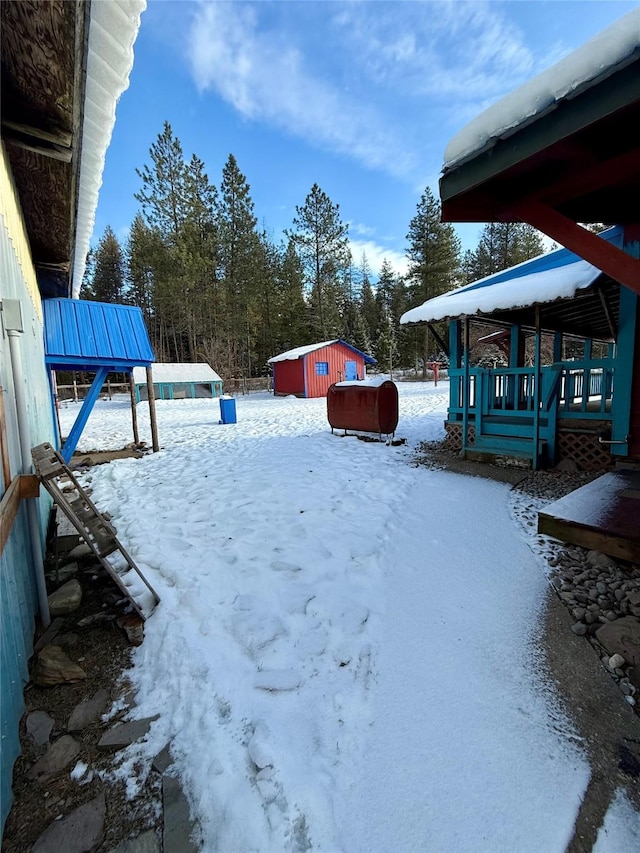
505	401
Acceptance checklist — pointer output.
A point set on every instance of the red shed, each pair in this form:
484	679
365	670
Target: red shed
309	371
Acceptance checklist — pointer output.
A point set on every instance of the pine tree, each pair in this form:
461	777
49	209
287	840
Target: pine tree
502	245
163	193
239	252
107	284
293	327
386	352
434	258
368	306
320	238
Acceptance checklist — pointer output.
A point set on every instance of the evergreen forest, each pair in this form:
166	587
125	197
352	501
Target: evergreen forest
213	286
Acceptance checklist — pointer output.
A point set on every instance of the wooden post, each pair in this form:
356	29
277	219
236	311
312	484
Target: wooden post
466	391
537	397
152	411
75	389
56	403
134	413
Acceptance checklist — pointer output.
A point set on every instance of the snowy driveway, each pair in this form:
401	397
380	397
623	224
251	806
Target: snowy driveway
344	657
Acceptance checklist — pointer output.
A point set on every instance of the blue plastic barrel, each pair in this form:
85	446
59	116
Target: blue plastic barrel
227	410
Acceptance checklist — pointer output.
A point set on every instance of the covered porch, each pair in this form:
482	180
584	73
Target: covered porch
560	151
566	332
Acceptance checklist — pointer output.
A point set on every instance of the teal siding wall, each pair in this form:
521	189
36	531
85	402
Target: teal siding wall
18	603
17	580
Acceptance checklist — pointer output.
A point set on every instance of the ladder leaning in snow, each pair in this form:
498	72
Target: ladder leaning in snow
94	528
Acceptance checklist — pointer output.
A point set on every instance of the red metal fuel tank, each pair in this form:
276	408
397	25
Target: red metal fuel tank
370	405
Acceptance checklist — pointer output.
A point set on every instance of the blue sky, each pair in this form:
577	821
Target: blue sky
359	97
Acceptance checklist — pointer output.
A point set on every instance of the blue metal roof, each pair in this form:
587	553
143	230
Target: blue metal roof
84	335
550	261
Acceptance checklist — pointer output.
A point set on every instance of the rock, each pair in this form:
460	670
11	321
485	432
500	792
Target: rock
567	465
39	725
133	627
163	760
60	754
125	734
63	573
616	661
146	842
80	552
79	832
89	711
178	826
634	599
595	558
578	613
95	618
66	641
52	631
619	594
579	628
54	667
611	615
67	599
622	637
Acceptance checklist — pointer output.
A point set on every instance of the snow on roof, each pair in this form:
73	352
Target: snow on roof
370	382
554	275
180	372
300	352
113	28
595	60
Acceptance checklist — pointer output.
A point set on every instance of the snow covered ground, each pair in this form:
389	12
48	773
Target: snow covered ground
345	654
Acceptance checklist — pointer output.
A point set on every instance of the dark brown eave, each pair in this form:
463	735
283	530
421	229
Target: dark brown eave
577	162
43	49
580	157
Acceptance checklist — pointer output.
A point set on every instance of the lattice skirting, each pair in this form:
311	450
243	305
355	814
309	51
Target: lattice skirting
453	438
582	448
585	450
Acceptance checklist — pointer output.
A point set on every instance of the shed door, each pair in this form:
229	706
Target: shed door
350	370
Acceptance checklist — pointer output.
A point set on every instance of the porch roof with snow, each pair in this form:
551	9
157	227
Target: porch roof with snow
570	293
177	372
300	352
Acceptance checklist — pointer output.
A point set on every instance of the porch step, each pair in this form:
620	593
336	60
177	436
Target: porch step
506	445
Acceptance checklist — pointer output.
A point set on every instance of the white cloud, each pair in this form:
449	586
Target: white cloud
465	50
376	254
265	77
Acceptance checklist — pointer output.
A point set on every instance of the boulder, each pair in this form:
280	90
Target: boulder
66	599
622	637
54	667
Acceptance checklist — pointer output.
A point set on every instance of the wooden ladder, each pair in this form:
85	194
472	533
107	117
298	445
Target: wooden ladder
94	528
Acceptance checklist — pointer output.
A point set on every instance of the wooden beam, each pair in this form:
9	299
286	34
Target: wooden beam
29	486
595	177
20	487
608	314
616	263
443	346
57	136
54	152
